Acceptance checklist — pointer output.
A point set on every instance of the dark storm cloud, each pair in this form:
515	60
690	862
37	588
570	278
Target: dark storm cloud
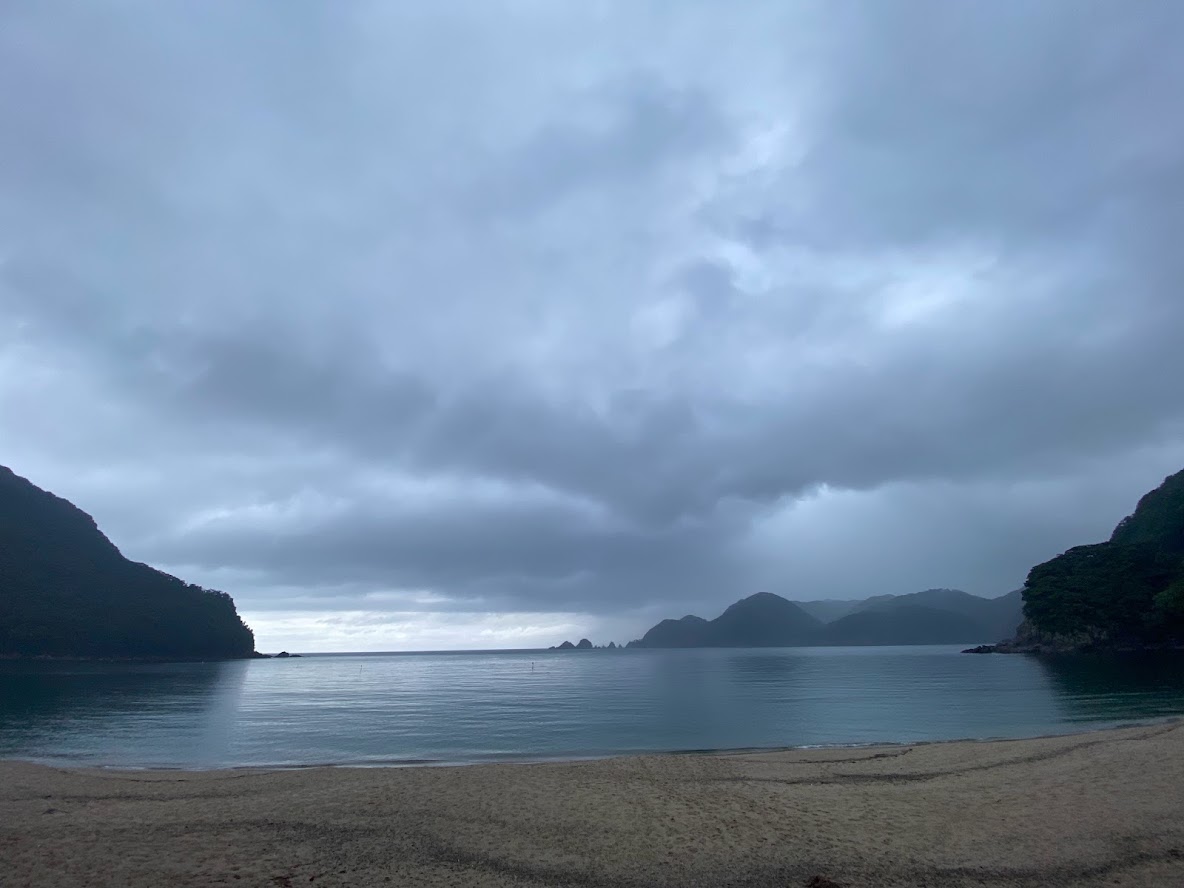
497	552
596	310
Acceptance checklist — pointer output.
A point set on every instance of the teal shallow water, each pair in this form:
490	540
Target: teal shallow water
467	707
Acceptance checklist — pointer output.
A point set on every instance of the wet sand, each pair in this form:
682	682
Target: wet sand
1105	808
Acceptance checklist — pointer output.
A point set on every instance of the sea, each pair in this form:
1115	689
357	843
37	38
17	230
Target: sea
517	706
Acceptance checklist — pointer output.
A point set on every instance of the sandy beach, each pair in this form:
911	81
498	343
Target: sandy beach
1104	808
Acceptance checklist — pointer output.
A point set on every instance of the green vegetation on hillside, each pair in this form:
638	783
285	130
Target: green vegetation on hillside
1128	591
66	591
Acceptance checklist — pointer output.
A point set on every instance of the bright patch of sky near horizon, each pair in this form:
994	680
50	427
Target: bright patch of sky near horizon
489	324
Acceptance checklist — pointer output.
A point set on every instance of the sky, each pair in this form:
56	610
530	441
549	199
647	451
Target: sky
494	323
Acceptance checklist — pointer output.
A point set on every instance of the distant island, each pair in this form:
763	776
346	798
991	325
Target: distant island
935	616
67	591
1126	593
583	645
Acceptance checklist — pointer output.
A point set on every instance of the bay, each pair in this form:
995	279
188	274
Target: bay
379	709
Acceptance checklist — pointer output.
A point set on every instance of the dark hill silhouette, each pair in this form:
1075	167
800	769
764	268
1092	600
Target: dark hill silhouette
66	591
935	616
1126	592
1158	518
690	631
829	610
1008	614
761	620
905	624
995	618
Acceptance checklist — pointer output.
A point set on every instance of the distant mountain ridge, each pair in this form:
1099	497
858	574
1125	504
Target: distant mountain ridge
935	616
907	624
761	620
67	591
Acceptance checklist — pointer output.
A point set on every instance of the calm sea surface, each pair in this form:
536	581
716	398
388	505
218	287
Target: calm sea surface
466	707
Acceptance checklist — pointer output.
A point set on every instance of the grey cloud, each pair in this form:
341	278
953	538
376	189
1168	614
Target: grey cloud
649	124
259	279
1023	125
501	555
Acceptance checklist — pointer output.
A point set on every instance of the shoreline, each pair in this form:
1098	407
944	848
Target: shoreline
514	759
1100	807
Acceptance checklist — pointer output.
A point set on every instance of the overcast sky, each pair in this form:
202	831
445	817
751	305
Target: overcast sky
490	324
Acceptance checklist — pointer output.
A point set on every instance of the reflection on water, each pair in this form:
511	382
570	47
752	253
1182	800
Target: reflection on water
48	688
1119	686
479	706
762	667
188	708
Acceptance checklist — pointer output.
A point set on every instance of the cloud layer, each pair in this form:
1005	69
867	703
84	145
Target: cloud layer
506	317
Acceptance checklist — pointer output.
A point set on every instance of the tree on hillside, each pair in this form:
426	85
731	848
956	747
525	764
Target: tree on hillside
1129	590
